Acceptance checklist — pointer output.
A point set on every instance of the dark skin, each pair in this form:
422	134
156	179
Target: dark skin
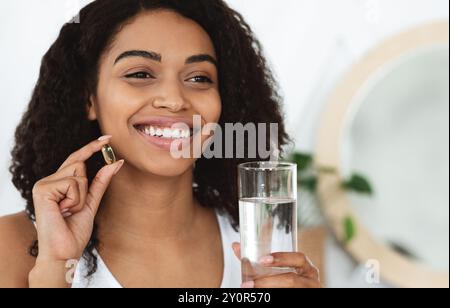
16	236
153	232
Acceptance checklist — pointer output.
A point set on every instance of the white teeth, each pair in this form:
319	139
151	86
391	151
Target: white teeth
166	132
176	134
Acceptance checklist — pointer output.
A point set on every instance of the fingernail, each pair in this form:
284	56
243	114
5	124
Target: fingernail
106	137
248	285
64	211
66	215
266	260
119	166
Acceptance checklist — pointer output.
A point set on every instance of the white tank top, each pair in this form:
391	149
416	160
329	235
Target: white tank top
103	278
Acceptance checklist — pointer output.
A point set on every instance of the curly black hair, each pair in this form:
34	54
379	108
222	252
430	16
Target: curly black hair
55	123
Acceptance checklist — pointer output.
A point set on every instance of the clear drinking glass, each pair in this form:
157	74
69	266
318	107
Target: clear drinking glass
267	214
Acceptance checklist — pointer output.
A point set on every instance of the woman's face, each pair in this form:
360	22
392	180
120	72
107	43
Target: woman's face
160	70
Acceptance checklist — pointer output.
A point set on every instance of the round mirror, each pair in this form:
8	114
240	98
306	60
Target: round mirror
399	139
389	120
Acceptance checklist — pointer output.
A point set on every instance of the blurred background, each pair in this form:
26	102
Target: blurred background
365	87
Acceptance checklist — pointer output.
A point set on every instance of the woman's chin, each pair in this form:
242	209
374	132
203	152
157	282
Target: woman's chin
168	166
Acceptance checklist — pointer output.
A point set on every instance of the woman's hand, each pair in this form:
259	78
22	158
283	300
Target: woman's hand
306	275
66	207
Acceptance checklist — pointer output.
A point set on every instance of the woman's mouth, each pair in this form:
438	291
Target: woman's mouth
163	137
165	132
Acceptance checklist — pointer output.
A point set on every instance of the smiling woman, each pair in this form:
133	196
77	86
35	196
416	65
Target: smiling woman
130	70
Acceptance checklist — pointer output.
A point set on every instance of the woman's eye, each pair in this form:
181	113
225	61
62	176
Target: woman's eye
139	75
201	79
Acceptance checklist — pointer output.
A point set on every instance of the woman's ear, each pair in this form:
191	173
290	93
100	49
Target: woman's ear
92	113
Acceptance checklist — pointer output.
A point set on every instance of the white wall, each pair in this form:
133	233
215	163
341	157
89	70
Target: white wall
308	42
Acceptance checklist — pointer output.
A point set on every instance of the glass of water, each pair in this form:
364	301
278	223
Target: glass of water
267	215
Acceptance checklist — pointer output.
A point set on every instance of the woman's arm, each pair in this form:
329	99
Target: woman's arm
18	269
49	274
17	234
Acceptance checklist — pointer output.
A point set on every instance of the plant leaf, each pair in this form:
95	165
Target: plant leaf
349	229
303	160
358	183
309	183
326	170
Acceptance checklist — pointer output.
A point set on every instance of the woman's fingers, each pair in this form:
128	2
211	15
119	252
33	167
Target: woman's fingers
100	184
86	152
47	195
66	193
237	249
90	197
304	275
77	169
297	260
287	280
69	185
68	207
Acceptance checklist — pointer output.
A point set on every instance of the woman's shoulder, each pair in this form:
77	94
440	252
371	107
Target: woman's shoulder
17	234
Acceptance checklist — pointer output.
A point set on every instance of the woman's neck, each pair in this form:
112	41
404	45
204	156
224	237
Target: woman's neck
141	210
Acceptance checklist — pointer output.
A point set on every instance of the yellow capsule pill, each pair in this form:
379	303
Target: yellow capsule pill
108	154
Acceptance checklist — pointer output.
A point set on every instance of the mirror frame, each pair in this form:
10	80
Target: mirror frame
395	269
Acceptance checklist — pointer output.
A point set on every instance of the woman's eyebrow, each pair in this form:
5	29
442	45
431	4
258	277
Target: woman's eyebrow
139	53
158	58
202	58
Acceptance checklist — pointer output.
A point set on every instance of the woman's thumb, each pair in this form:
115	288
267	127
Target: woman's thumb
100	185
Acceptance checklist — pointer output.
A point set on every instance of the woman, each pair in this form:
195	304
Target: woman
124	71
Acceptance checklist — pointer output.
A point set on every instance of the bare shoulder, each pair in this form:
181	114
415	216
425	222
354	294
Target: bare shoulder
17	234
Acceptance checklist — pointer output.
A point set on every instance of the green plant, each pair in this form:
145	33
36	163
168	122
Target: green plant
307	178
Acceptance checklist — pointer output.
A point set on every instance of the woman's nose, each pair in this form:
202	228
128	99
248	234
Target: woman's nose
170	96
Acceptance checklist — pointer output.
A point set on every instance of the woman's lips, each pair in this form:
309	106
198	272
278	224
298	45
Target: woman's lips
163	143
165	122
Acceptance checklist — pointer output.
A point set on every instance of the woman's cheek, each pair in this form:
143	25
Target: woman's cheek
213	107
213	112
118	102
